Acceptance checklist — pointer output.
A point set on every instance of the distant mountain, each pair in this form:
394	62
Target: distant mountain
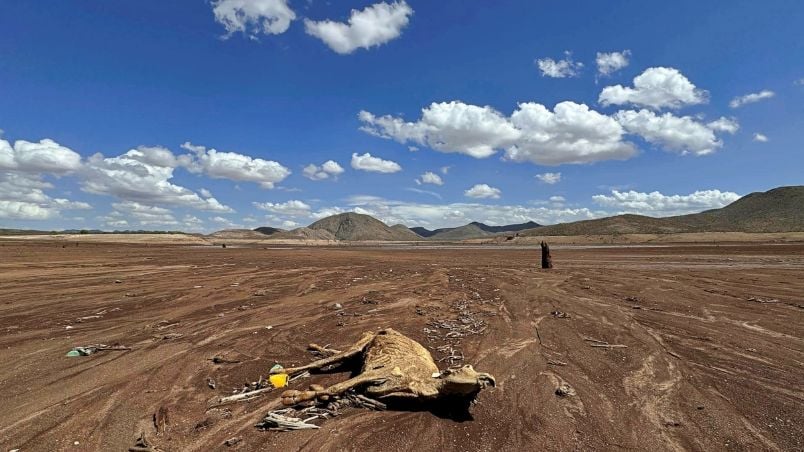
237	234
472	230
267	230
355	226
303	234
777	210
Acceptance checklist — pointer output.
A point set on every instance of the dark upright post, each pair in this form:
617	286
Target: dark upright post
547	261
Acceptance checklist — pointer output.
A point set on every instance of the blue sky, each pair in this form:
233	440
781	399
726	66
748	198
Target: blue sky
200	115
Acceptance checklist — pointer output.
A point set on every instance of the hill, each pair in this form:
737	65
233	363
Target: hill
303	234
237	234
472	230
777	210
267	230
355	226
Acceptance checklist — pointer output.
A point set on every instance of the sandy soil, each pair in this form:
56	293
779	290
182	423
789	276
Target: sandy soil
708	366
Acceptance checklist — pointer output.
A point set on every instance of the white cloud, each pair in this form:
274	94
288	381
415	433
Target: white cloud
136	176
289	224
366	162
413	148
328	169
146	215
448	127
205	193
483	191
234	166
373	26
609	63
656	88
253	17
46	156
292	208
571	134
549	178
458	214
424	192
681	134
445	169
738	102
23	197
557	199
327	212
760	138
559	68
799	82
723	124
430	177
658	205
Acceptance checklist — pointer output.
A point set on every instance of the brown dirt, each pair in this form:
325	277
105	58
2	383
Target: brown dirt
705	368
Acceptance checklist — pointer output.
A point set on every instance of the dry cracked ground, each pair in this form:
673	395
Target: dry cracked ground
662	348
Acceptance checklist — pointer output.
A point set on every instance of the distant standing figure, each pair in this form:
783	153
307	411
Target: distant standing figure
547	261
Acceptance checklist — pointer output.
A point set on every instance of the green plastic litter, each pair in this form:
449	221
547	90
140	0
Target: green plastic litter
277	368
72	353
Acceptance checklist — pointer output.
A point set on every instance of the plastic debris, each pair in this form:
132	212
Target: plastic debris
277	377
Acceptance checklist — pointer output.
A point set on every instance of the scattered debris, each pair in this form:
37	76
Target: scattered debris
337	306
277	421
763	300
92	349
565	390
633	299
118	281
603	344
169	336
249	395
232	441
141	444
221	360
556	363
210	383
560	314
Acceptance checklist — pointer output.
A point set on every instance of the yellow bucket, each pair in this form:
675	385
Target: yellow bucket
278	380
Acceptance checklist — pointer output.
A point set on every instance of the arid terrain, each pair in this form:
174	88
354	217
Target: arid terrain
709	343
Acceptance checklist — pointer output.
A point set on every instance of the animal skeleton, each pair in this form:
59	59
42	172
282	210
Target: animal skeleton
394	368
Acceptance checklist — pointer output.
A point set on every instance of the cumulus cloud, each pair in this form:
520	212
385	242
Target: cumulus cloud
549	178
572	133
656	88
366	162
145	215
234	166
46	156
483	191
294	208
760	138
559	68
22	184
329	169
430	177
252	17
557	199
370	27
659	205
726	125
609	63
738	102
139	177
681	134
